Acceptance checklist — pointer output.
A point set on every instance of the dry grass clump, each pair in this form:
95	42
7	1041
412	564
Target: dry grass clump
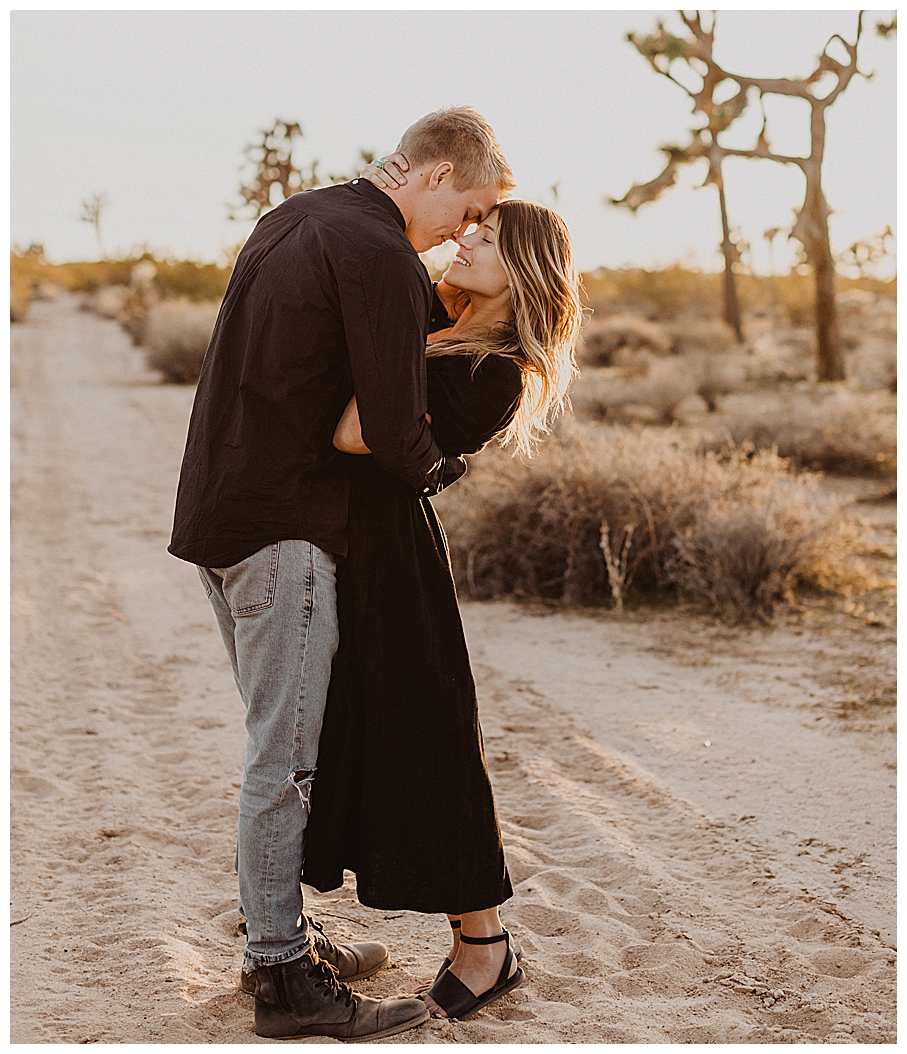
701	336
668	385
714	378
846	432
654	391
176	338
597	514
603	340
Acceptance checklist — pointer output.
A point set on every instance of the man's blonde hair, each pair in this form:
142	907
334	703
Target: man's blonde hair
460	135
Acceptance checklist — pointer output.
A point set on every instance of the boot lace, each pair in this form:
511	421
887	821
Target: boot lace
322	973
320	940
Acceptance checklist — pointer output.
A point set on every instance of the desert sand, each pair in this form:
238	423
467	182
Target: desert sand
699	820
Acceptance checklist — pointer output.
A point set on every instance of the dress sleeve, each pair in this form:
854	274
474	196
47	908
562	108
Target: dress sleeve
469	407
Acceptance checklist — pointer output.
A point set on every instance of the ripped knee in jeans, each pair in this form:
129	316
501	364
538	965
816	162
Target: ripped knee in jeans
302	780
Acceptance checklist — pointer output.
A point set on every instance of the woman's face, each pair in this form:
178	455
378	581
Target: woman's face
477	267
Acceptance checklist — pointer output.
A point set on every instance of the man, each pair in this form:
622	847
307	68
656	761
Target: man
328	299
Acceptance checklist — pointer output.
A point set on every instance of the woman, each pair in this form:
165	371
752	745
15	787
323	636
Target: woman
402	796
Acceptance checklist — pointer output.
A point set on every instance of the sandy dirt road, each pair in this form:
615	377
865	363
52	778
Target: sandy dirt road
700	821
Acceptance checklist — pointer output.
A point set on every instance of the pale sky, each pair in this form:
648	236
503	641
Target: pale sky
154	108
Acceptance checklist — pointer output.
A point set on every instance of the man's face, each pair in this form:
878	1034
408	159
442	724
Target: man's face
442	212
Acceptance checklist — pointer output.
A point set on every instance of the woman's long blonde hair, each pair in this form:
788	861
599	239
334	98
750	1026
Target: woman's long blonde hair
533	244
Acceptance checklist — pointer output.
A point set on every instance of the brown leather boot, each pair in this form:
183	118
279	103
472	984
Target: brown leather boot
353	962
304	997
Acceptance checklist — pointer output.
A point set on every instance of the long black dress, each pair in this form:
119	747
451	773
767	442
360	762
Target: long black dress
401	794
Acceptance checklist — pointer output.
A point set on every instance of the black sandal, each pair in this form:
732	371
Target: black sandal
455	925
457	1001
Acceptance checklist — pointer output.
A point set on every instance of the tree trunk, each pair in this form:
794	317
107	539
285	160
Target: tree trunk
812	230
731	301
828	339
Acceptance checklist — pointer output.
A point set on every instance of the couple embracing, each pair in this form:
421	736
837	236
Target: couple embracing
340	391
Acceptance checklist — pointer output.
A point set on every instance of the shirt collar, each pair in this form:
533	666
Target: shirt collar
369	190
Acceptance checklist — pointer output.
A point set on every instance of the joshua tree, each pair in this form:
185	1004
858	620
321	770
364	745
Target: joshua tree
661	50
272	156
91	213
811	226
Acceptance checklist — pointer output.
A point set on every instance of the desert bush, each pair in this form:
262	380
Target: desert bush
847	433
714	379
189	280
20	298
745	561
90	276
698	336
602	340
538	530
177	337
26	272
876	364
780	357
668	384
670	293
679	292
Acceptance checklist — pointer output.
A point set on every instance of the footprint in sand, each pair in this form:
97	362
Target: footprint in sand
547	922
840	962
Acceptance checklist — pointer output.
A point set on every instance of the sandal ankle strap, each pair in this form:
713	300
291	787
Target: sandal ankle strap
455	924
502	936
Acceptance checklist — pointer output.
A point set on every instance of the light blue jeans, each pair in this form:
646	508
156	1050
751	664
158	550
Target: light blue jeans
277	613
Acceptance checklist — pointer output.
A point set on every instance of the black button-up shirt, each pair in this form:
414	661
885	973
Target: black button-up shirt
327	298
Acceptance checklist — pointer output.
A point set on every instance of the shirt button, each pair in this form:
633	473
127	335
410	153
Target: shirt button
355	181
426	490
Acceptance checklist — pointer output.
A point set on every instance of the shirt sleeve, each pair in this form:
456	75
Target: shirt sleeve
386	306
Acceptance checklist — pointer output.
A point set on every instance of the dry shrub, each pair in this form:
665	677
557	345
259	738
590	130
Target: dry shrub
27	269
202	283
668	385
781	356
714	379
745	561
847	432
876	364
596	393
700	336
741	532
177	337
173	279
602	340
671	293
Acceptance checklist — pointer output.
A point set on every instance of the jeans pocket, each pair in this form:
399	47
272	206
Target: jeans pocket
205	582
249	586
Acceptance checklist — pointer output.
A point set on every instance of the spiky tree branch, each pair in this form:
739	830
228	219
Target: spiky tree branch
811	225
661	50
272	156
